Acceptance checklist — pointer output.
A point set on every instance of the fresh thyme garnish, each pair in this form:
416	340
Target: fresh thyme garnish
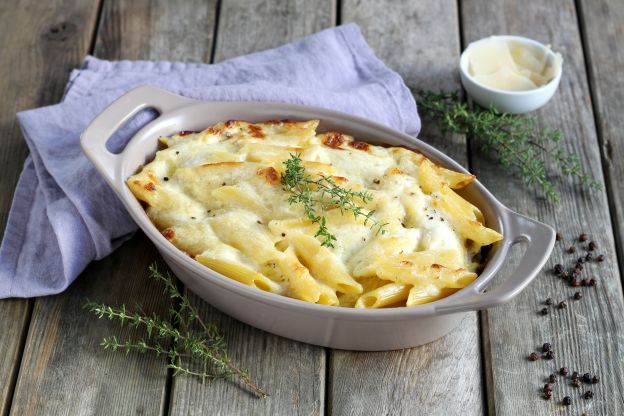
516	139
324	194
192	347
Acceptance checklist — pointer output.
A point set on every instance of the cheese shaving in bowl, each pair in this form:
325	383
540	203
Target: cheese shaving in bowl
510	65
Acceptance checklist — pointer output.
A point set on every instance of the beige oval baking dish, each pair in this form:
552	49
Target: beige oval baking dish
330	326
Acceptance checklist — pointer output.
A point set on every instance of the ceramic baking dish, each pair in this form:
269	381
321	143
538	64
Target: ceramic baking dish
344	328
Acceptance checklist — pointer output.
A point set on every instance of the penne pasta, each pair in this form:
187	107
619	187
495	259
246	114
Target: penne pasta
316	216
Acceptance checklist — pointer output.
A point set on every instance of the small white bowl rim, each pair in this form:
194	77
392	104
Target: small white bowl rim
463	66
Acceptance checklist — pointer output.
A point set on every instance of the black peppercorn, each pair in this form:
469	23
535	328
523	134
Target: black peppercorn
575	282
575	375
562	305
580	260
166	178
549	355
588	395
592	246
546	347
552	378
587	378
592	282
558	269
548	301
595	380
600	257
547	395
548	387
544	311
576	382
558	237
565	275
588	257
571	249
563	371
583	237
533	356
578	296
567	400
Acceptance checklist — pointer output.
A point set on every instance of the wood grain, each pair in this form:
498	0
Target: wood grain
65	371
602	27
588	336
255	25
420	40
33	72
293	373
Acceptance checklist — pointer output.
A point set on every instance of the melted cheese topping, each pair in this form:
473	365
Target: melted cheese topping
217	195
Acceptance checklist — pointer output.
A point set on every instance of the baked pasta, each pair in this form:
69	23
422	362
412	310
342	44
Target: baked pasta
226	197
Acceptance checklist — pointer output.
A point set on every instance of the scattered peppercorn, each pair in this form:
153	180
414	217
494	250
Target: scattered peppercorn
575	375
576	382
578	296
588	257
548	387
580	260
563	371
558	237
571	249
600	258
546	347
544	311
592	282
592	246
549	355
552	378
166	178
558	269
567	400
584	282
565	275
587	378
583	237
595	380
548	301
562	305
547	395
588	395
575	282
533	356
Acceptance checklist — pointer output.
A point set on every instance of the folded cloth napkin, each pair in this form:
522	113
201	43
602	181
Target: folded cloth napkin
63	214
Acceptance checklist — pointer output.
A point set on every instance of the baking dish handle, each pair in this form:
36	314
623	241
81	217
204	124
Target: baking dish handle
540	239
93	139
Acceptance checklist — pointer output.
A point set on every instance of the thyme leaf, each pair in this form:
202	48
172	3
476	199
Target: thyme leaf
515	139
322	194
190	345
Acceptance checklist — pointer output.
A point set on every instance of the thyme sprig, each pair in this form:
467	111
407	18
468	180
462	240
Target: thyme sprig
183	337
323	194
516	139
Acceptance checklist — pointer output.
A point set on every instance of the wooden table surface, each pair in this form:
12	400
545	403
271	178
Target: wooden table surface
50	361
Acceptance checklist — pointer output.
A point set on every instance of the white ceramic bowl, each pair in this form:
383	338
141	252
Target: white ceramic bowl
511	102
331	326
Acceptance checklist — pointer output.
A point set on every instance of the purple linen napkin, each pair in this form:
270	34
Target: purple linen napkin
63	214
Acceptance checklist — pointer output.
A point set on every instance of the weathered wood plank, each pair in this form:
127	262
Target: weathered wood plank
603	36
65	371
33	71
293	373
588	336
420	40
250	26
62	354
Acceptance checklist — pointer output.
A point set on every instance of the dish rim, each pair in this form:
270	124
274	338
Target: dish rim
183	105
